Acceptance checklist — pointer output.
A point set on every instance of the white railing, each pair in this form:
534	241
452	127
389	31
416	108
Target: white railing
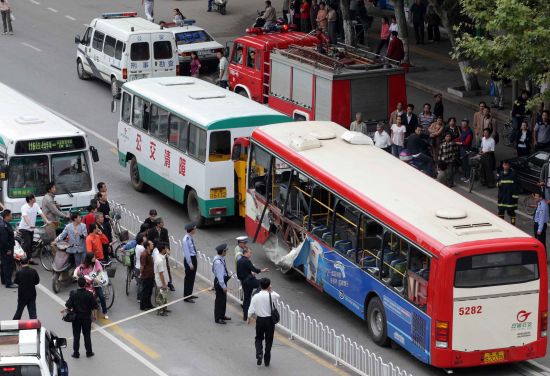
296	324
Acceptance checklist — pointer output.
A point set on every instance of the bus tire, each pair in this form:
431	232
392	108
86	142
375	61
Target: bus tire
376	322
193	209
80	70
115	89
136	181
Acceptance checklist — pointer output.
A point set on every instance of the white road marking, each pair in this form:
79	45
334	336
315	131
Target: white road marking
70	18
31	46
35	2
109	336
537	364
490	199
53	10
528	371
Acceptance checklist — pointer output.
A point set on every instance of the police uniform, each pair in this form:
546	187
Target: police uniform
239	249
507	195
245	268
221	277
189	258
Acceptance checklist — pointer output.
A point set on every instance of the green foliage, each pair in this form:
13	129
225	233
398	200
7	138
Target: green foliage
515	41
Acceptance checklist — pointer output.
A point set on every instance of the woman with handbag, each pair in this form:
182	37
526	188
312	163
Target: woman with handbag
75	233
267	317
5	10
95	278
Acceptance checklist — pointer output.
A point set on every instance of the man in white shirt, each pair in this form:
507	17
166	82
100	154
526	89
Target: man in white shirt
261	307
29	212
223	66
161	277
382	138
487	176
138	251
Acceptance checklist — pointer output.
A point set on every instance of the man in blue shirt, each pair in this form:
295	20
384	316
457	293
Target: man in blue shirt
540	218
189	262
220	284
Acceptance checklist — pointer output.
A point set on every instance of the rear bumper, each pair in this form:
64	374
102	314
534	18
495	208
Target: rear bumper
459	359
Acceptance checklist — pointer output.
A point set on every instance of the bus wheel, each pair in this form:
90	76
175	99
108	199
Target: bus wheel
115	89
80	70
193	210
137	183
376	322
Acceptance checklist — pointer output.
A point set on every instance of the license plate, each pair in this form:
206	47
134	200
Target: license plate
493	357
218	193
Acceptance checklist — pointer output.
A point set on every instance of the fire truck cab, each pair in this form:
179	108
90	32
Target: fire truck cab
335	84
249	61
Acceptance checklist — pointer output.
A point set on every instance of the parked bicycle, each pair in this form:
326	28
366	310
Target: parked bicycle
108	289
475	167
116	215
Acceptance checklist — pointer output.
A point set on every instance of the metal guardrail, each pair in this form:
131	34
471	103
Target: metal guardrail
296	324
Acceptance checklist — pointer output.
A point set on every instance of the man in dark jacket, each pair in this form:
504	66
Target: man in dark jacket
507	192
417	142
83	303
158	234
27	278
396	50
149	222
409	120
7	243
418	11
246	272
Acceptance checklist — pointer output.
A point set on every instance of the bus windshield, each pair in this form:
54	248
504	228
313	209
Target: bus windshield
494	269
30	174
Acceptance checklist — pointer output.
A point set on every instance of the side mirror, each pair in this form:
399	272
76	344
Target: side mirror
77	39
3	170
113	105
60	342
95	154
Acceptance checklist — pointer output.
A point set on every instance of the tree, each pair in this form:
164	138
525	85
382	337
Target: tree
399	6
515	42
454	22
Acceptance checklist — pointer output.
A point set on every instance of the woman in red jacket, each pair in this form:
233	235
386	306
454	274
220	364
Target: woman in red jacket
305	17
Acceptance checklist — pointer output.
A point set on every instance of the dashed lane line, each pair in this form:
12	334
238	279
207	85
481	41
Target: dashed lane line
53	10
31	46
35	2
70	17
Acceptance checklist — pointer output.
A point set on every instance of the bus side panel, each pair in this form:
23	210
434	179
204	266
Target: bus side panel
342	279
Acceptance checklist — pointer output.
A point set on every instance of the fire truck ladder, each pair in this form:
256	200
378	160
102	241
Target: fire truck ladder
367	56
312	57
267	73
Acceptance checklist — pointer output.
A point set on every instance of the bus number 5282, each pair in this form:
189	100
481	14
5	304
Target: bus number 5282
475	310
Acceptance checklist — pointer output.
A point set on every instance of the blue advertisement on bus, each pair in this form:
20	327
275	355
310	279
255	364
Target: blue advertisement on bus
350	284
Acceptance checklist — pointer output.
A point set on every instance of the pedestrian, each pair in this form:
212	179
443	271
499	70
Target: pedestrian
221	276
384	35
524	140
138	250
161	279
159	234
497	92
426	118
508	191
465	143
418	11
95	241
332	18
189	262
448	153
270	15
433	21
396	50
83	303
397	137
178	17
148	7
540	218
242	244
397	112
435	130
222	70
296	13
519	111
105	208
75	233
487	160
393	25
452	128
313	14
358	125
100	224
5	10
246	273
26	279
490	122
438	105
7	243
29	212
410	120
92	270
146	275
542	132
195	64
149	222
305	24
286	11
322	20
382	138
477	125
261	307
51	211
90	217
544	179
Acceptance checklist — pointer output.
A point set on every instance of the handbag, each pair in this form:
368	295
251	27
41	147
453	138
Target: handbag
69	316
275	315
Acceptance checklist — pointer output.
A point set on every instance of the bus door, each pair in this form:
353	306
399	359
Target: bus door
140	56
239	155
164	54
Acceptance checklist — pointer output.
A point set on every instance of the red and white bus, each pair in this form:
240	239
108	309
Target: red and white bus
425	267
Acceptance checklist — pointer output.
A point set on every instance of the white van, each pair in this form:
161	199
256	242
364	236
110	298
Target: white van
122	47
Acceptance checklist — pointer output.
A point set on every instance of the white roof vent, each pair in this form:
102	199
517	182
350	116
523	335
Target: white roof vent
28	120
451	213
304	143
176	81
357	138
199	96
323	134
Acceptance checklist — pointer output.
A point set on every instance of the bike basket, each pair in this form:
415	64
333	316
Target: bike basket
111	270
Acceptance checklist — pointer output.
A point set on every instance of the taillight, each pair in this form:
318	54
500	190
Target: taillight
543	323
441	334
8	369
185	53
124	73
217	211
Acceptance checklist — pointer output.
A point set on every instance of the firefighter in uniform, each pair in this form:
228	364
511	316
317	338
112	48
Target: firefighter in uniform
507	192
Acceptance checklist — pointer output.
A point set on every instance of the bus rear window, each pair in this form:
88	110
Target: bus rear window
220	146
139	51
493	269
162	50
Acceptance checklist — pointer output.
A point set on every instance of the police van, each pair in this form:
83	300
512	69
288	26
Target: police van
28	349
120	47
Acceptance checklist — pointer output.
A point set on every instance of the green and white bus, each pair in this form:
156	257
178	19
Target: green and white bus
36	147
177	133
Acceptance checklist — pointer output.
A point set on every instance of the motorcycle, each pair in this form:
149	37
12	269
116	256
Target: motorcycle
219	6
62	267
259	22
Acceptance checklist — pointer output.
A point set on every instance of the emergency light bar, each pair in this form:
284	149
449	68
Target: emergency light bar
119	14
11	325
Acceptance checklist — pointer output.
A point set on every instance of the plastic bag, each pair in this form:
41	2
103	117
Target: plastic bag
12	17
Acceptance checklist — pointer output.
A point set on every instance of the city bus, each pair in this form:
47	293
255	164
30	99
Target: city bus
36	147
176	134
426	268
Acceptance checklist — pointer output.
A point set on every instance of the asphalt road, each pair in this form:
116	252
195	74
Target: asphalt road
39	61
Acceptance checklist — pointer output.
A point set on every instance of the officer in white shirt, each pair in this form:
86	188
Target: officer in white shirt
29	212
261	306
382	138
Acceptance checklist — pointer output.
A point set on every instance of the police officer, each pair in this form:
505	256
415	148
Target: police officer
189	262
246	272
221	277
83	303
242	244
7	243
507	192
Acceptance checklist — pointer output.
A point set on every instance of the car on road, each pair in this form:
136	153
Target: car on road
191	38
528	169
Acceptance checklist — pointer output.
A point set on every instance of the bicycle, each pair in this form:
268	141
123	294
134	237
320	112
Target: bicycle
108	289
128	259
508	132
41	248
475	166
116	216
